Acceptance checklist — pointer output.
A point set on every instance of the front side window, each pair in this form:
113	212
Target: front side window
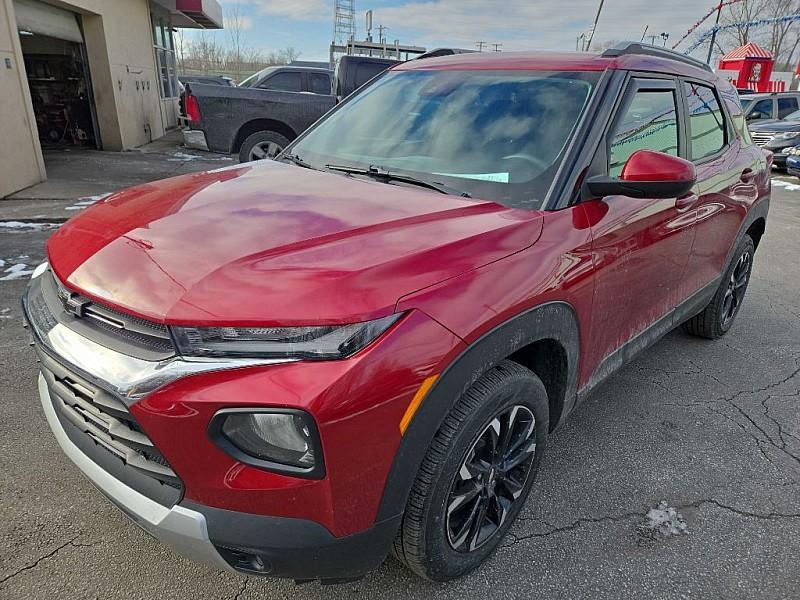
649	123
706	121
496	135
761	110
286	81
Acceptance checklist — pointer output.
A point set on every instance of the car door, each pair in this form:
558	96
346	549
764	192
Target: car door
640	246
727	167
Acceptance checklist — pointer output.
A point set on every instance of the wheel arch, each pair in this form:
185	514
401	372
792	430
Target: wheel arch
257	125
541	338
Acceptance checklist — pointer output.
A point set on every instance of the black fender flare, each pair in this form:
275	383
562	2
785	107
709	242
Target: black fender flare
553	320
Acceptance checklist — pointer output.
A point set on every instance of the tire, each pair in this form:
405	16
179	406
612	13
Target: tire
431	543
270	143
718	317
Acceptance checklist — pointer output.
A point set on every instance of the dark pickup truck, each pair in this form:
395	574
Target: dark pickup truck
258	118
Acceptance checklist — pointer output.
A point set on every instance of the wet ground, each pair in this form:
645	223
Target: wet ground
709	431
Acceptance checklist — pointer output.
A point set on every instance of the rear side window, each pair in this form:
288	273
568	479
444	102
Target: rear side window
706	121
319	83
286	81
649	123
786	106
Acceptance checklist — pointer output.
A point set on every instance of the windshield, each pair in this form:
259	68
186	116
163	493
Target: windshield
493	135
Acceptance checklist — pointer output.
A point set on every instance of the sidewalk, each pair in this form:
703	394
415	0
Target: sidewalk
77	177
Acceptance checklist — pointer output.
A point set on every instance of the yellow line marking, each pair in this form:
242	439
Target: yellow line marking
415	403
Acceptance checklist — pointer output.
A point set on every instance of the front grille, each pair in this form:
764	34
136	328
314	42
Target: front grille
105	325
104	420
761	137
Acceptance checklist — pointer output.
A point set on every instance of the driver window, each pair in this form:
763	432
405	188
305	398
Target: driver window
649	123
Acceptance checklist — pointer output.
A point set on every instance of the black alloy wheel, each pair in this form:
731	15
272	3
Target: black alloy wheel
737	284
491	479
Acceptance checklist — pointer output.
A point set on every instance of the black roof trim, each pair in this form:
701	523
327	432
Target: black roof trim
648	50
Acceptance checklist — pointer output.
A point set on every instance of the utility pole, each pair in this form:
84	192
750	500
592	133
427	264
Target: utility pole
714	33
381	29
652	39
594	26
497	47
646	27
480	45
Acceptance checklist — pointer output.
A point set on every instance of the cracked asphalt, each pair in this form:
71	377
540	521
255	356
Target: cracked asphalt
712	428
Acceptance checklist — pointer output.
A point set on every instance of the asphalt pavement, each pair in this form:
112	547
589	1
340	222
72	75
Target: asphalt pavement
709	431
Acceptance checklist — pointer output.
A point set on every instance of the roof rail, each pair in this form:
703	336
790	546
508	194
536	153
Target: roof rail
649	50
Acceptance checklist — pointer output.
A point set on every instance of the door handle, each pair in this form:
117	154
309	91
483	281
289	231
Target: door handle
685	202
747	175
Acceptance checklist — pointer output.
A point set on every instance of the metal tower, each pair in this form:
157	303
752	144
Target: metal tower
344	23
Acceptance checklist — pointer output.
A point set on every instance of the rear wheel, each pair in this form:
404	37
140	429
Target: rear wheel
262	145
477	474
718	317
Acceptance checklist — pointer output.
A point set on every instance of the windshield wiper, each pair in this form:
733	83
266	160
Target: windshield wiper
296	160
385	175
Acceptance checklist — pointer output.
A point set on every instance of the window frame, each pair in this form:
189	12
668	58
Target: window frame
164	46
650	84
729	131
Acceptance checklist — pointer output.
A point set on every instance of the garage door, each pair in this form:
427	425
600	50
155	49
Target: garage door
44	19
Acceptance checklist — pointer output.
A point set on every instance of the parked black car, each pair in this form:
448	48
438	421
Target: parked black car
777	136
258	118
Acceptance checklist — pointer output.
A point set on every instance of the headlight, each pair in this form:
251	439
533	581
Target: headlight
321	343
787	135
794	151
280	440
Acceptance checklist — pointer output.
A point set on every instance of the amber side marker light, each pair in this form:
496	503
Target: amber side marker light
415	402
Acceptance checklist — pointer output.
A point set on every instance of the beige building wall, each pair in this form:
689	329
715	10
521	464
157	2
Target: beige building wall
21	163
125	84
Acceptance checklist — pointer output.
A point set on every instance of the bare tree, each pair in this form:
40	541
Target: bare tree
781	39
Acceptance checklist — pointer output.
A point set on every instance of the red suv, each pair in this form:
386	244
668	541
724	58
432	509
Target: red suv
293	368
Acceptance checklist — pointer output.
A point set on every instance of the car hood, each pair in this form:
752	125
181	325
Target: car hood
270	243
777	126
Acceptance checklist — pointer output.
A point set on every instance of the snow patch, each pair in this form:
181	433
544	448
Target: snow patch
82	203
19	225
788	185
17	271
663	521
184	157
4	313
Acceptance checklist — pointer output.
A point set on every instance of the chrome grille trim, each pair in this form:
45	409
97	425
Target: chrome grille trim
128	378
126	328
115	430
761	138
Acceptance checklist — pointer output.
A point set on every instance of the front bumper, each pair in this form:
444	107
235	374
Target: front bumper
182	529
234	541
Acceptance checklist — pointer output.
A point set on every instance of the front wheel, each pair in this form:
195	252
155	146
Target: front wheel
476	475
262	145
717	318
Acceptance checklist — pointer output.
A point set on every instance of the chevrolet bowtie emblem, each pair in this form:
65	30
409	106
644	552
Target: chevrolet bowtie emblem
72	302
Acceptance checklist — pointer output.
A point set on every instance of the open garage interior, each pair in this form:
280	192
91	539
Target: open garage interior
61	92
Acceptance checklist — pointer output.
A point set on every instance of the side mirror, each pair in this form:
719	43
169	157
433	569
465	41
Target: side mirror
647	174
755	116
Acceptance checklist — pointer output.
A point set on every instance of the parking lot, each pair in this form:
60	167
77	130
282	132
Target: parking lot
709	428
